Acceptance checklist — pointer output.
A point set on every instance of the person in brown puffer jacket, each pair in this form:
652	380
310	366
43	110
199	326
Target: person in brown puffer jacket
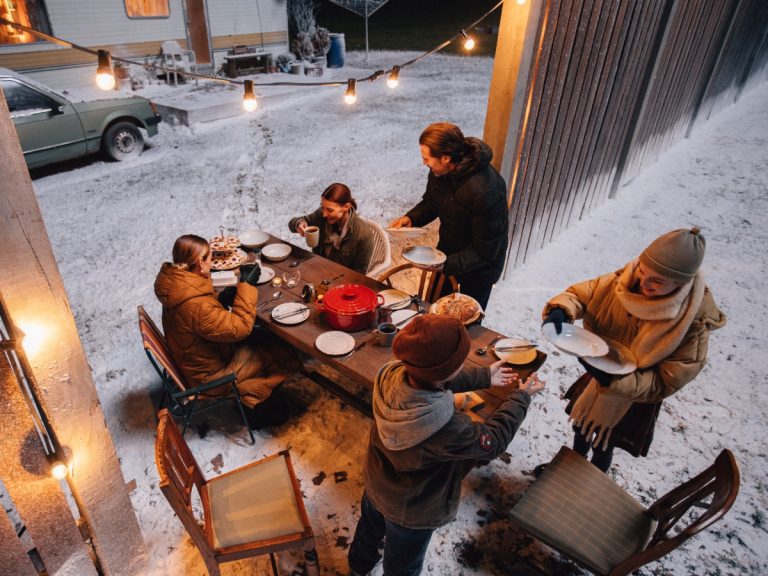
207	340
660	311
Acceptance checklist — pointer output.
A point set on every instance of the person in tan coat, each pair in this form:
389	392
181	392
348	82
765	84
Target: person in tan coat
206	339
660	309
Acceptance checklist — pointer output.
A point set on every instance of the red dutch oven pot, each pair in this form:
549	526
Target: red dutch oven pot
351	307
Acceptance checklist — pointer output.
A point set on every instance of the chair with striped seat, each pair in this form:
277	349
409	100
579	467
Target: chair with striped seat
183	400
578	510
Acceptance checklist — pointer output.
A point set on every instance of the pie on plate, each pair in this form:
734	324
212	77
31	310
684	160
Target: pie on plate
229	260
224	243
459	306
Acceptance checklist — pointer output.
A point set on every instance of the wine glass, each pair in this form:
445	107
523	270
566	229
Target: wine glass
291	277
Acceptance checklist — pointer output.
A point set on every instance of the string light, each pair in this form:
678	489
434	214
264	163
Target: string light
59	470
350	96
249	100
394	77
469	42
105	76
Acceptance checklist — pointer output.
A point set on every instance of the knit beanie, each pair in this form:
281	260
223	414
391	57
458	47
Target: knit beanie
432	347
676	255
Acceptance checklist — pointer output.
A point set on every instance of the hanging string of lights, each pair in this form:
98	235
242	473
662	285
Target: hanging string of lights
105	78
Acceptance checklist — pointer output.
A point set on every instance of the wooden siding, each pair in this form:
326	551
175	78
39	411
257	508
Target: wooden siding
612	85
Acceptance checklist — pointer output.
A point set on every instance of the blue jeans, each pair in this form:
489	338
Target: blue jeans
404	548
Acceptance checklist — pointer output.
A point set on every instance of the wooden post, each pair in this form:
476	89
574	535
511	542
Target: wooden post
34	293
511	67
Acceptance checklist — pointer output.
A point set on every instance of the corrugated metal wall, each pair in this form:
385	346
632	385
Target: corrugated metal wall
612	85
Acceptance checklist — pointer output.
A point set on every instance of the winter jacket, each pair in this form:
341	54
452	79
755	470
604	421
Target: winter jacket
420	448
205	339
471	202
355	249
596	302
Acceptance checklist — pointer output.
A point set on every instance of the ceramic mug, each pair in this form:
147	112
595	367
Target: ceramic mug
312	235
385	334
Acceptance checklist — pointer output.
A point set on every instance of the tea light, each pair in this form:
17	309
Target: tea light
277	281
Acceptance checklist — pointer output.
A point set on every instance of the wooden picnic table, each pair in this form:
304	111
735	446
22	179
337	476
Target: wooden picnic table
362	366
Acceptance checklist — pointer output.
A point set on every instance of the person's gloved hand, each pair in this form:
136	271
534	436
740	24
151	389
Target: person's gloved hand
603	378
557	316
227	296
251	276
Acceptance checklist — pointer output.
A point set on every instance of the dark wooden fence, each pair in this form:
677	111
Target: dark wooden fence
612	85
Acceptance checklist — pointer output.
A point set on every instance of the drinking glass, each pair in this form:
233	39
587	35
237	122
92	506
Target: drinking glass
292	277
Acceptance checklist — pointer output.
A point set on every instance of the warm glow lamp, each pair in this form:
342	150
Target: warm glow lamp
249	100
469	42
350	96
394	77
105	77
59	470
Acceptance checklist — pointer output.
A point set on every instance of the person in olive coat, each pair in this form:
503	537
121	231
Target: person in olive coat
470	197
344	236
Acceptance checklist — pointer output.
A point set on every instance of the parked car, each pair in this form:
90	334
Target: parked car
51	128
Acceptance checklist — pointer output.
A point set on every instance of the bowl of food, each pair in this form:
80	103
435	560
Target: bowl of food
459	306
254	238
515	350
276	252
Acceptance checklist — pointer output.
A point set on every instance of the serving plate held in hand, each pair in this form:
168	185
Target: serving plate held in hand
424	256
575	340
618	360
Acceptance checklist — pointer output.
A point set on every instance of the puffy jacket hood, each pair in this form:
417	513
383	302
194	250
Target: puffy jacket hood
174	286
406	416
479	156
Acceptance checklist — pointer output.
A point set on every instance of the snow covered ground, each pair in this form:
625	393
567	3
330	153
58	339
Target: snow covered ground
112	225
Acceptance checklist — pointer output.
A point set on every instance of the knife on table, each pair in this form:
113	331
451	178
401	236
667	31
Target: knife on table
291	313
355	349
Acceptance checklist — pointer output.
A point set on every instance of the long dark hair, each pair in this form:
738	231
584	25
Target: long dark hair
444	139
339	194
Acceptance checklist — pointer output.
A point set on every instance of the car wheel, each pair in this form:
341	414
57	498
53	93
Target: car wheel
123	141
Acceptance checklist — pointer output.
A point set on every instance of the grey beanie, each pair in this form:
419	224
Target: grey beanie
676	255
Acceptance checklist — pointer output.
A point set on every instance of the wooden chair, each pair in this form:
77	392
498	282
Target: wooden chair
430	281
182	399
254	510
578	510
381	258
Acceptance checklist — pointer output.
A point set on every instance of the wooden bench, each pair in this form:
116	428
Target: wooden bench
240	62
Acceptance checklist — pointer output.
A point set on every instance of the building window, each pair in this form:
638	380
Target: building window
146	8
30	13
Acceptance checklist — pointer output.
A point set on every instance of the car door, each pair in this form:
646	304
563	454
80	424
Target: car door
49	128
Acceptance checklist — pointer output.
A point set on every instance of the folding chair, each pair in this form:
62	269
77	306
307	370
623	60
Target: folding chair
183	399
430	282
578	510
381	258
254	510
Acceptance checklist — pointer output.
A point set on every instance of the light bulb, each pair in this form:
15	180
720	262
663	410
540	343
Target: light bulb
350	96
521	2
249	100
469	43
59	471
105	77
394	77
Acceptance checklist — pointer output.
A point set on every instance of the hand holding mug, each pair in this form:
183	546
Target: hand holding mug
312	235
301	227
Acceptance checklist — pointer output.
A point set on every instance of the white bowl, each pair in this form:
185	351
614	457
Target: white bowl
276	252
254	238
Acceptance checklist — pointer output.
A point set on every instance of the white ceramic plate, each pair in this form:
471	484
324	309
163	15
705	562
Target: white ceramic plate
575	340
276	252
401	315
619	359
392	296
254	238
405	233
514	356
335	343
424	256
266	275
287	308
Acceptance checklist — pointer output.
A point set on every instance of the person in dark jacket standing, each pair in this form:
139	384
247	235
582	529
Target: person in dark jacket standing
470	198
420	448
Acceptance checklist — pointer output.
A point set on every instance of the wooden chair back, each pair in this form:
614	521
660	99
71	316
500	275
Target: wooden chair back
430	282
719	484
159	354
179	476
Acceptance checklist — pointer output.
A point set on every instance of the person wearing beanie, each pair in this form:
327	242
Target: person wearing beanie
660	310
469	197
420	447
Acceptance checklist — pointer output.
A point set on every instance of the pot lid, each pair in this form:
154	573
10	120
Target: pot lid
350	299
